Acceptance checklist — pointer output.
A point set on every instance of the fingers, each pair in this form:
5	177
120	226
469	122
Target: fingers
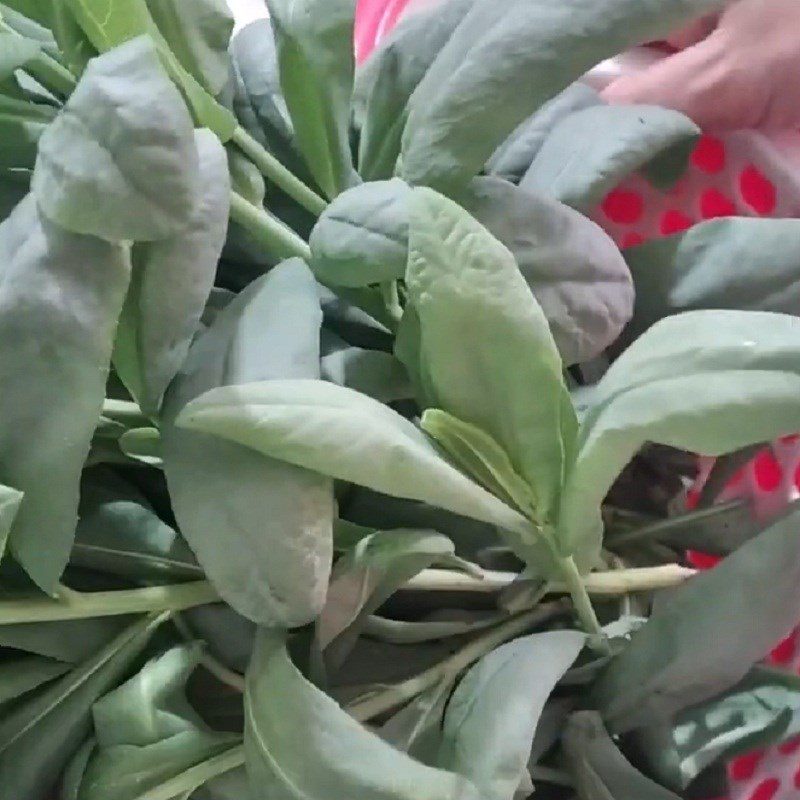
700	82
694	33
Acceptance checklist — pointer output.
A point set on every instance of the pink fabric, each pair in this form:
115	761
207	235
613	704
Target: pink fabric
741	173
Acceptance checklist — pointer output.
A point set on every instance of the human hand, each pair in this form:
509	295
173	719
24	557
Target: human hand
740	69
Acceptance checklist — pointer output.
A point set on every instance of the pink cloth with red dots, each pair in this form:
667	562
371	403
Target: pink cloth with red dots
744	173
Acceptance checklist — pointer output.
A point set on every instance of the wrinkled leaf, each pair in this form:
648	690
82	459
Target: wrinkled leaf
601	771
485	347
170	285
513	158
346	435
261	529
707	637
501	65
120	160
60	297
591	151
315	55
147	732
38	737
198	33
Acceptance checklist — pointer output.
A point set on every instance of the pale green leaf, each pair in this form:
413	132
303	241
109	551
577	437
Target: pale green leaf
59	302
10	500
593	150
314	39
120	160
261	528
15	52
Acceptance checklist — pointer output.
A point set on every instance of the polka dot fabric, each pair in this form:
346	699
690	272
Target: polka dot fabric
743	173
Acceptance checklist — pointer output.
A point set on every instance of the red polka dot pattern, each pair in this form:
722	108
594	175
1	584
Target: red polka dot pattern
766	790
675	221
709	155
744	767
784	652
715	204
623	207
631	240
758	191
769	475
787	748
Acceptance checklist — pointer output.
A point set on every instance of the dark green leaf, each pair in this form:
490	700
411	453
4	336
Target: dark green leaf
170	285
513	158
60	298
229	636
73	774
491	718
21	675
707	637
725	263
22	124
601	771
314	39
38	737
120	161
346	435
591	151
147	732
301	746
485	347
389	78
261	528
119	533
502	64
198	33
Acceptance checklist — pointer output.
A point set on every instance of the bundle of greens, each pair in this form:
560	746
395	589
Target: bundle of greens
341	455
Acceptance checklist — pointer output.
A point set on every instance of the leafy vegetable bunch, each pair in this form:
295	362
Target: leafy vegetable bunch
341	454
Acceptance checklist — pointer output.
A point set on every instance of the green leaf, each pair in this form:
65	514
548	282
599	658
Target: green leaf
170	285
706	381
491	717
759	712
28	27
706	638
59	302
73	43
261	528
147	732
501	65
257	99
38	737
198	33
481	457
346	435
301	746
120	160
371	372
747	264
485	347
591	151
231	785
37	10
314	39
15	52
601	771
573	268
73	774
513	158
22	124
119	533
368	575
362	236
143	444
10	500
110	23
389	77
70	641
19	676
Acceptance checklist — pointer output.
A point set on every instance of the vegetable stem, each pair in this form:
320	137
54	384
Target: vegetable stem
580	597
126	412
271	168
81	605
52	75
195	777
394	696
267	229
